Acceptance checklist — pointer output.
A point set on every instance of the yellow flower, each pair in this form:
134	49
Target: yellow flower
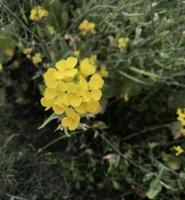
91	90
86	68
178	150
27	52
49	103
96	82
181	119
104	72
37	58
66	68
122	42
68	92
181	116
50	79
72	95
91	107
87	27
37	13
72	119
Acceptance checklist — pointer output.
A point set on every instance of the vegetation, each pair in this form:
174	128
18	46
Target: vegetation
119	132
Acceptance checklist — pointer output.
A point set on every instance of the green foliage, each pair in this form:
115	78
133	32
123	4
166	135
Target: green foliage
125	152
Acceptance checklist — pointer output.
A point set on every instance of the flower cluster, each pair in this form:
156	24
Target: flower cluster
72	92
87	27
181	119
122	42
37	13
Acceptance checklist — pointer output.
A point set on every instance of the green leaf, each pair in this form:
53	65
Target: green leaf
172	162
154	189
116	185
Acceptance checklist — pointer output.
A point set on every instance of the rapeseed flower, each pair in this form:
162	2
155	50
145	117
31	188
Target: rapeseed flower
37	13
72	92
122	42
178	150
181	119
27	52
37	58
71	120
87	27
104	72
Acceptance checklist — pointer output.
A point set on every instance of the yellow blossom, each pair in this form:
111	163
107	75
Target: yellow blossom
50	79
72	120
181	119
37	13
181	116
27	51
37	58
72	91
86	68
178	150
87	27
104	72
122	42
91	89
66	68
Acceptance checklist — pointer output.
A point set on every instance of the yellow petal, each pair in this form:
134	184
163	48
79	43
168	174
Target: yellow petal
50	72
46	103
66	99
71	72
83	83
71	87
86	95
62	86
69	112
72	126
50	79
71	61
86	69
50	93
96	82
61	65
74	122
75	100
93	106
60	74
65	122
96	94
58	109
82	108
59	99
